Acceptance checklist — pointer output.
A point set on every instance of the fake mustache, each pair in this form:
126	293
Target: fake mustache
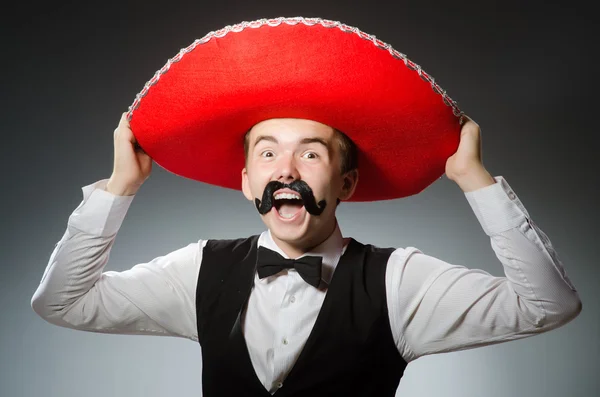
308	199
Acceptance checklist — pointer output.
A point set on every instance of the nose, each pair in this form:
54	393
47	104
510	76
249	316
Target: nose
286	168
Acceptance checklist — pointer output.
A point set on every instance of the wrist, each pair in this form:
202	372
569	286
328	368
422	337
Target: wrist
119	189
474	180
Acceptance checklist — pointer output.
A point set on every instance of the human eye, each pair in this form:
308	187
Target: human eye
267	153
310	155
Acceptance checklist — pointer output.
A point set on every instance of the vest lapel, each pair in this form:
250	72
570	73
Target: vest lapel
237	342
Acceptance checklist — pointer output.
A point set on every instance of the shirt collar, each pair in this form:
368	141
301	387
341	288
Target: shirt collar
331	250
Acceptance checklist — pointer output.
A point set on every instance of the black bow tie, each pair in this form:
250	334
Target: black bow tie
270	262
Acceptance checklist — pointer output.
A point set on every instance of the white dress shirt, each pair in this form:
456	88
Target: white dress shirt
434	306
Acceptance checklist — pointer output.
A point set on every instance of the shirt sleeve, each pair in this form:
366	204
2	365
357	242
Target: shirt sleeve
437	307
151	298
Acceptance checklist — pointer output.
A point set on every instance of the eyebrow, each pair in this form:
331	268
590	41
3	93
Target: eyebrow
315	140
304	141
265	138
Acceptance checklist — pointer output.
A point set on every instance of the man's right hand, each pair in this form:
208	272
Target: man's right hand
132	166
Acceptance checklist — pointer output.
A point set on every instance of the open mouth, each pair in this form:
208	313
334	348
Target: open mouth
288	205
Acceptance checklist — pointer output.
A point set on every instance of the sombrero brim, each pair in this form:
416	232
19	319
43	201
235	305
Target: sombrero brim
192	115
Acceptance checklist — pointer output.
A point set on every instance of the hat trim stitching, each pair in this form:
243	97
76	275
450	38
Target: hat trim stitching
294	21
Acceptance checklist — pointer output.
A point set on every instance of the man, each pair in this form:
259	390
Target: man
300	310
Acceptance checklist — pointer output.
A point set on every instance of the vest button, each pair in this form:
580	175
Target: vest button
285	341
292	299
280	385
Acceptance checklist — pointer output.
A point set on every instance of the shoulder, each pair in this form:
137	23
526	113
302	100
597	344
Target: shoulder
395	253
230	249
234	244
388	259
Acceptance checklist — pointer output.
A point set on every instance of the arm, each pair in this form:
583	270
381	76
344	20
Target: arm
153	298
439	307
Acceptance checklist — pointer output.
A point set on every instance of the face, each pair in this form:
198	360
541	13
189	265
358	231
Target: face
287	150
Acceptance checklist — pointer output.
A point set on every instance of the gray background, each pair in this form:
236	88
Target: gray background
525	74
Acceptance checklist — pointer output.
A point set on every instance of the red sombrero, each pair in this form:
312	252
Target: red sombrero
192	115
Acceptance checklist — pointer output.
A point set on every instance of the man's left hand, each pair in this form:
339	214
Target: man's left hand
465	166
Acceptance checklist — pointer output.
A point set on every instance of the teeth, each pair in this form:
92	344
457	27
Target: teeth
287	196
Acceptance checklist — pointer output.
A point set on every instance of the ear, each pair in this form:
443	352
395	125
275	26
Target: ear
350	182
246	185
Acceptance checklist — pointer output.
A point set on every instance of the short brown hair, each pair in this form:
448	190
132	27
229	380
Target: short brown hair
348	150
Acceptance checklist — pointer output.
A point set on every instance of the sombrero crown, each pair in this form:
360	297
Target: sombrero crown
191	117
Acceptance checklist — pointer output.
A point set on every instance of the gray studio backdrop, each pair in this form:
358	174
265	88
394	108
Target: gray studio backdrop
524	74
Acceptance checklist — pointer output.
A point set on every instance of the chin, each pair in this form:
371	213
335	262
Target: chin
290	238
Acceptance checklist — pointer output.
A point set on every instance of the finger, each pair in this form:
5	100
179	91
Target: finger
468	119
124	122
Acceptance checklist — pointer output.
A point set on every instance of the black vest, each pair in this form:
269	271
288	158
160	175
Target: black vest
350	350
